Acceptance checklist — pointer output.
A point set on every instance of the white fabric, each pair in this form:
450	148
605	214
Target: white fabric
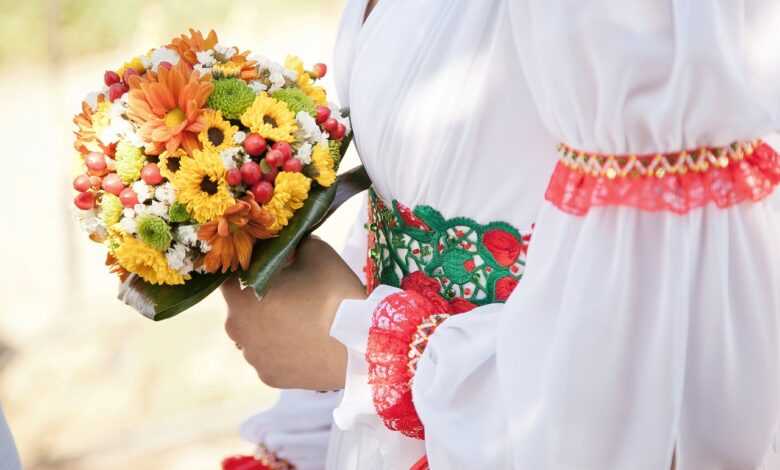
632	335
9	458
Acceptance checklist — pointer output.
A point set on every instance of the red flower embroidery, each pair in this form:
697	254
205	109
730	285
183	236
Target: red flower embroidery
504	288
460	305
411	220
243	462
469	265
427	287
504	247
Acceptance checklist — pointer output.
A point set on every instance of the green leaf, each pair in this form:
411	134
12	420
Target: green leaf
161	302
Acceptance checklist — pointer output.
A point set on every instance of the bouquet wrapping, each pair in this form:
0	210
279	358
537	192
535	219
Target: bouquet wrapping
197	160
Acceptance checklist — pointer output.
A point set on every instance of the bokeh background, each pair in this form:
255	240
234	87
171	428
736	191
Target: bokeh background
85	382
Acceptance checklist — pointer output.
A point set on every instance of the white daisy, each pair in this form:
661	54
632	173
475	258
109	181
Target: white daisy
187	234
238	137
308	129
163	54
177	258
165	193
257	86
206	58
226	52
304	153
159	209
204	246
142	190
201	69
128	225
230	157
89	220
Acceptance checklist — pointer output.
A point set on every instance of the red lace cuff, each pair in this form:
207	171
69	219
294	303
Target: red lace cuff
679	182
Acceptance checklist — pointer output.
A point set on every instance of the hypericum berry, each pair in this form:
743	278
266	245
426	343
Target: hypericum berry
85	201
285	148
234	177
274	158
95	181
81	183
322	114
150	173
339	133
95	161
128	197
129	73
293	165
250	173
111	77
254	144
164	65
116	91
319	70
330	125
270	174
112	183
263	192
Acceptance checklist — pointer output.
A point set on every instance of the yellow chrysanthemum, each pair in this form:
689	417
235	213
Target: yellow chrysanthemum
290	192
217	134
270	118
200	185
324	164
134	63
101	119
305	82
137	257
227	69
170	163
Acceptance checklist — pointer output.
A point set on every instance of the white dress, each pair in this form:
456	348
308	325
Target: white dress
634	335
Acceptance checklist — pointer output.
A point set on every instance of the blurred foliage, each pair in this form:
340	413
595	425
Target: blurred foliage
90	26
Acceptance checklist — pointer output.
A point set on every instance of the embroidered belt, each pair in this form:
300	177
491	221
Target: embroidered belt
675	182
467	263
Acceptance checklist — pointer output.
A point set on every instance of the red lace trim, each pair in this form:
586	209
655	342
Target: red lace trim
263	459
675	182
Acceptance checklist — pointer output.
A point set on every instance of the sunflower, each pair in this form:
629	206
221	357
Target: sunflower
188	47
168	106
232	235
90	123
137	257
200	185
324	165
217	135
270	118
305	82
171	162
291	190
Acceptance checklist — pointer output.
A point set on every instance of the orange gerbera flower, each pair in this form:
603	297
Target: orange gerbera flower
232	236
168	106
86	136
188	47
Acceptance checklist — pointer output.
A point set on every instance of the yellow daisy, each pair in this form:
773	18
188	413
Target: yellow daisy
217	134
305	82
170	163
137	257
270	118
290	192
200	185
324	164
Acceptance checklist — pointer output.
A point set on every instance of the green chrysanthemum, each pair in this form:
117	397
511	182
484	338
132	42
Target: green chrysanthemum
335	150
129	161
178	213
154	232
296	100
231	96
110	209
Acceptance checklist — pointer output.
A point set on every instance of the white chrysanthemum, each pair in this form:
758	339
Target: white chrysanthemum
128	212
304	153
204	246
291	75
257	86
187	234
201	69
159	209
88	220
128	225
308	130
239	137
230	158
225	51
165	193
206	58
119	126
336	114
142	190
163	54
177	258
262	61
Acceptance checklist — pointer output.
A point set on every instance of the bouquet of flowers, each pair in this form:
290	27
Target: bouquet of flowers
197	160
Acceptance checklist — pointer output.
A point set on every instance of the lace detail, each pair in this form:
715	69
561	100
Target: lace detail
665	182
263	459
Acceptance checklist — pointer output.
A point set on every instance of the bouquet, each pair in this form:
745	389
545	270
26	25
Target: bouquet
198	160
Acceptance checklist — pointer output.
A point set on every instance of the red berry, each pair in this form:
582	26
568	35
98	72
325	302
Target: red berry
111	77
323	114
330	125
338	134
95	161
283	147
250	173
319	70
81	183
274	158
270	175
293	165
263	192
233	177
116	91
254	144
95	182
150	173
113	184
164	65
128	197
129	73
85	201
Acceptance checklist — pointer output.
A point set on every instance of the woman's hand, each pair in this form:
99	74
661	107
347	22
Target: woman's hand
285	336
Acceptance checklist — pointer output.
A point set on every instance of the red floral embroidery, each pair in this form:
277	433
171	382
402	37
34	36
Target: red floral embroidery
461	305
504	288
504	247
410	219
734	180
